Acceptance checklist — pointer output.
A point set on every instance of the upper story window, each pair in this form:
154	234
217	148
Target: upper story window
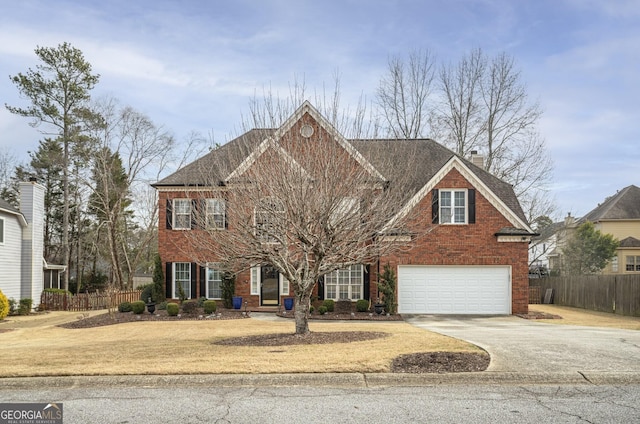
216	214
269	217
181	214
453	206
633	264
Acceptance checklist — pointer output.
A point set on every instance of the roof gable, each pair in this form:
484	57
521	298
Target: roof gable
625	204
8	208
515	218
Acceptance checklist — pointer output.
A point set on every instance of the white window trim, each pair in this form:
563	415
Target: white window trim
174	288
453	207
284	286
362	271
255	280
212	225
213	267
175	214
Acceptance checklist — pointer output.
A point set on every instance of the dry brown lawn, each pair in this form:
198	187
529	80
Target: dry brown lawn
186	347
577	316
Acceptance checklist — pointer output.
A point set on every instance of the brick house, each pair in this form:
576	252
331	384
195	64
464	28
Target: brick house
473	260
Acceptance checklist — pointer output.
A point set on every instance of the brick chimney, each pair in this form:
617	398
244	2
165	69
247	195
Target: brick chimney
32	207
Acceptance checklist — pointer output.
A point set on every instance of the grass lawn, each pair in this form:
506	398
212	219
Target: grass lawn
577	316
185	347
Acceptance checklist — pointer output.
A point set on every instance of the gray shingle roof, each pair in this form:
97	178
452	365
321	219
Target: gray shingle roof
8	206
630	242
625	204
427	158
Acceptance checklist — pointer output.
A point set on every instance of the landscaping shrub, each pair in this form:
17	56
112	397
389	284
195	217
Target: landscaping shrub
362	305
210	306
387	286
4	306
201	301
25	306
329	305
13	306
190	307
173	309
322	310
59	291
138	307
228	289
162	306
311	309
147	292
125	307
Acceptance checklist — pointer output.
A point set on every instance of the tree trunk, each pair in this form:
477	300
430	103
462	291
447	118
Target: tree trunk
301	312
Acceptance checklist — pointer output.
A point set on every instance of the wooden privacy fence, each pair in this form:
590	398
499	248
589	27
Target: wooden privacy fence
86	301
619	294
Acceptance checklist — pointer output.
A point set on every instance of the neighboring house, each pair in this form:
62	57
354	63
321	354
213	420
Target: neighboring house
475	263
619	215
24	271
544	247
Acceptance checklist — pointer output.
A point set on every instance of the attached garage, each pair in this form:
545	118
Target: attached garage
482	290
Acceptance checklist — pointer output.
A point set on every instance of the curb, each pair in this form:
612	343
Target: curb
342	380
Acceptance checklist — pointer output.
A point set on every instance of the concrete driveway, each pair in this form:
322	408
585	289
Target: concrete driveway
525	346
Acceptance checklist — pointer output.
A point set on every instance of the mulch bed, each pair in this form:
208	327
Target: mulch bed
361	316
440	362
538	315
288	339
159	315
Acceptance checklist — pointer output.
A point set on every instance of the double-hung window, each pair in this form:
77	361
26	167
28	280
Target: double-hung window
345	284
214	283
453	206
182	279
216	214
633	264
181	214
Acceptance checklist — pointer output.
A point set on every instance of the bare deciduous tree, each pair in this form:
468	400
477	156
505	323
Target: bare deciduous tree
480	105
405	93
134	150
300	198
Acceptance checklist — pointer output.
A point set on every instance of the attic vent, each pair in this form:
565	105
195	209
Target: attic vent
306	131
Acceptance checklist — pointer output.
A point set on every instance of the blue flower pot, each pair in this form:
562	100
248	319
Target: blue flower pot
288	303
237	302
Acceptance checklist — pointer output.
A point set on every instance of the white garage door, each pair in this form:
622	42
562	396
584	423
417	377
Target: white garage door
454	289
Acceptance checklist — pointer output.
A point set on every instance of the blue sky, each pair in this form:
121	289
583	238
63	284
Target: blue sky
194	65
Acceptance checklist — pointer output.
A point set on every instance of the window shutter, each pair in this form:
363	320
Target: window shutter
226	217
203	281
194	280
321	288
367	283
471	198
169	214
435	206
168	280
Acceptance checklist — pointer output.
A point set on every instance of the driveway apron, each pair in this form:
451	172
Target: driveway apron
527	346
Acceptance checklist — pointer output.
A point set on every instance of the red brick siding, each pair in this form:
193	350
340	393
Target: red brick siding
471	244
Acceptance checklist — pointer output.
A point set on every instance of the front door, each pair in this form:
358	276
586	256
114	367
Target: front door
270	286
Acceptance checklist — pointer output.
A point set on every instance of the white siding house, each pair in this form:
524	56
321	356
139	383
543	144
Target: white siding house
22	244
